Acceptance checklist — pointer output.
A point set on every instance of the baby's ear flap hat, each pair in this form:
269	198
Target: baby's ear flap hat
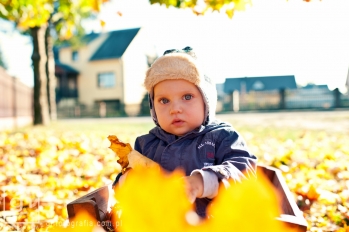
182	64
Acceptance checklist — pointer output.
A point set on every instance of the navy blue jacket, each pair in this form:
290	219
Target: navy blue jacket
216	147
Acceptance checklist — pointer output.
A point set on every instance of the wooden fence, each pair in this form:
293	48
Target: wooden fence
16	102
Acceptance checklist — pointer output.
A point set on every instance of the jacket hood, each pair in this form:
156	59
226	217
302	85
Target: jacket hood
213	125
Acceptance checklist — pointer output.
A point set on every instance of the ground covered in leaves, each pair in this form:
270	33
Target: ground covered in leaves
44	168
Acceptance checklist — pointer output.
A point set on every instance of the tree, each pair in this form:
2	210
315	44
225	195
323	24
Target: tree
145	109
39	17
201	7
2	62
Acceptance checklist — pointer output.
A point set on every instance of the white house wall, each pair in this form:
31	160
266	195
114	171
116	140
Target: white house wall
89	92
135	66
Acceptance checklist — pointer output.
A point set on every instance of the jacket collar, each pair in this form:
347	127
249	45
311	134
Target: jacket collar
169	138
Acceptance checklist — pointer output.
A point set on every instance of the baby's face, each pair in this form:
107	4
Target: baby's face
179	106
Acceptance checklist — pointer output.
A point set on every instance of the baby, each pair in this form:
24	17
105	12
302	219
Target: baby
187	135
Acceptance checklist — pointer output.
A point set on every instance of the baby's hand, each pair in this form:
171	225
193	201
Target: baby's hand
122	179
194	186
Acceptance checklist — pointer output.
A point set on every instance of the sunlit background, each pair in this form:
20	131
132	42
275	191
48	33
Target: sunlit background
300	129
308	40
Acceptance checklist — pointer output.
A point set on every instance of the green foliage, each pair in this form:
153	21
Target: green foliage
145	109
175	3
200	8
2	62
65	15
75	41
29	13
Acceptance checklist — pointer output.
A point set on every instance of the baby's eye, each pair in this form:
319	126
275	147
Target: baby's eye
188	96
164	101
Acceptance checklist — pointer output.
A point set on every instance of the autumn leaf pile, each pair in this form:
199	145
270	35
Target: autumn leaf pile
42	169
315	165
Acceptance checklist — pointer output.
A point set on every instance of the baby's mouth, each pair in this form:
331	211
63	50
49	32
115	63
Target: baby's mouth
177	122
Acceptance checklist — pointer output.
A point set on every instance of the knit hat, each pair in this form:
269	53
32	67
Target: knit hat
181	64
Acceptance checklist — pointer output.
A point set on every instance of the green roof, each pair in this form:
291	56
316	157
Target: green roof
115	45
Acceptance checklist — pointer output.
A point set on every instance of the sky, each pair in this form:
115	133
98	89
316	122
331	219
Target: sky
271	37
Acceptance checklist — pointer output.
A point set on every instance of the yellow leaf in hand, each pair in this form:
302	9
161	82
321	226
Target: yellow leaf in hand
121	149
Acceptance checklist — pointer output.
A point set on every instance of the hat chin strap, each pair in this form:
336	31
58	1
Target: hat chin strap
152	109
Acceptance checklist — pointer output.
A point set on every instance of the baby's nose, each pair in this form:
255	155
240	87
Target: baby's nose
176	108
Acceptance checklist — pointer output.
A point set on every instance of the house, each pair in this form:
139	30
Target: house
314	87
310	96
265	83
251	93
109	68
220	96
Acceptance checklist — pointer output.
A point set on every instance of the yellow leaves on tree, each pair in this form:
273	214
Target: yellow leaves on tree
151	200
102	23
27	13
201	7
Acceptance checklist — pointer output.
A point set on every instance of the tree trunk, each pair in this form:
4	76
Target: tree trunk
41	114
50	74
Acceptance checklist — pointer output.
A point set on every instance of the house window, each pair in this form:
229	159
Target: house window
75	55
106	80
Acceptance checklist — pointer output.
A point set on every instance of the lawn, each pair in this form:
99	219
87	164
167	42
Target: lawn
44	168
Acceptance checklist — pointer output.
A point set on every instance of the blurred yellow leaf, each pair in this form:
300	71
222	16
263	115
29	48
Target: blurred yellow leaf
96	5
230	13
151	200
102	23
251	205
